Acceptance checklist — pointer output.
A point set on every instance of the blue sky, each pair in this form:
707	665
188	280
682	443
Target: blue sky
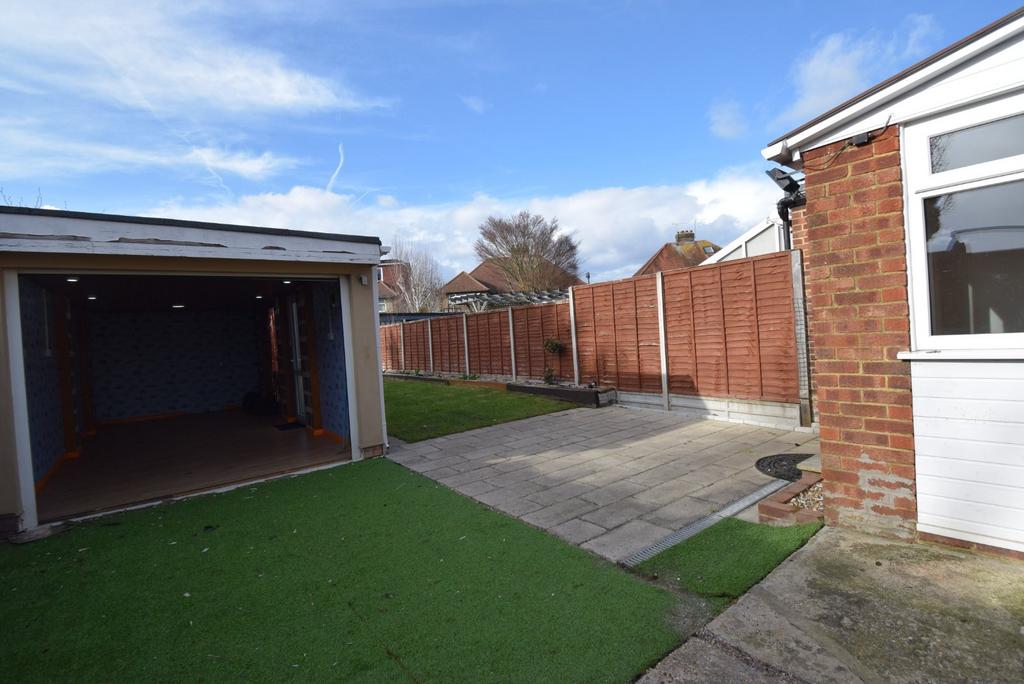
621	119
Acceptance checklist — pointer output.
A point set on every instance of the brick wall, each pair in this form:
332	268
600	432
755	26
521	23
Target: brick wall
852	239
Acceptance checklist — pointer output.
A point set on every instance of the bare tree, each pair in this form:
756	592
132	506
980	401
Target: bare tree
529	250
419	281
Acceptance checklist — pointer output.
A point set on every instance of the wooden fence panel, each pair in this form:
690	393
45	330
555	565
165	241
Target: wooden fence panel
709	331
416	352
680	335
739	308
776	333
449	354
729	332
489	350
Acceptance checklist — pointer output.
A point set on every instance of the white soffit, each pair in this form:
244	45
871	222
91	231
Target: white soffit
989	66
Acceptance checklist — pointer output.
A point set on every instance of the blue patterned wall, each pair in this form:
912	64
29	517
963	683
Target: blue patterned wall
330	355
46	425
148	363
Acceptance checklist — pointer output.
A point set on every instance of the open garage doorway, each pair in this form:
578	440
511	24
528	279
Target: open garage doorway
142	388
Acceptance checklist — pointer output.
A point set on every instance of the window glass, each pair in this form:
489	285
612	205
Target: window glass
977	144
976	260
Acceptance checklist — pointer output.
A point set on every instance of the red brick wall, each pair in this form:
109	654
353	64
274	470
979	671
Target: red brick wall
855	273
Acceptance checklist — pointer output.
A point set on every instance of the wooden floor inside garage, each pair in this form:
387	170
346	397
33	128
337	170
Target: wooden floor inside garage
148	461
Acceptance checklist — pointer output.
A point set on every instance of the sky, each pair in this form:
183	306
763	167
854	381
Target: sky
415	121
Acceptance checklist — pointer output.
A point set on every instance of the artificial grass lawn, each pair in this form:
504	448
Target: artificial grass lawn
421	410
728	558
367	572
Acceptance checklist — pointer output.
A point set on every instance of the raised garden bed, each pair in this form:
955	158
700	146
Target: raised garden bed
584	396
593	397
793	504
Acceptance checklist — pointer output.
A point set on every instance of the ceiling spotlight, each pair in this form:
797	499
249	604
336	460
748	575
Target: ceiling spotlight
785	181
92	298
177	306
72	279
259	296
287	282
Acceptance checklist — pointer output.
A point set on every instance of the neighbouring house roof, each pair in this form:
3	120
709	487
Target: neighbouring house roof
785	149
54	231
675	255
390	271
463	283
487	277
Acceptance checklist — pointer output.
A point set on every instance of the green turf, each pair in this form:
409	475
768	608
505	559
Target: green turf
728	558
367	572
421	410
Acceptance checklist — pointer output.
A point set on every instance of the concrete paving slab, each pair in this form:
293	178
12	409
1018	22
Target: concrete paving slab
577	531
558	513
626	540
619	512
681	513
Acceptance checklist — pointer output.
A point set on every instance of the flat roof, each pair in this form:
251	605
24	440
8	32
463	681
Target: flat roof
180	223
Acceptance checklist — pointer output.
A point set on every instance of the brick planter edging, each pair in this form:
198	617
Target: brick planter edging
777	507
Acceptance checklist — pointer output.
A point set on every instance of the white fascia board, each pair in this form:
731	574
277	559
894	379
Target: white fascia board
786	152
63	235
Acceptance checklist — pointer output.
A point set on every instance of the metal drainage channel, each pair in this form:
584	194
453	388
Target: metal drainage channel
704	523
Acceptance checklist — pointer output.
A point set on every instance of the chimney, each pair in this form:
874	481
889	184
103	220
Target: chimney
684	236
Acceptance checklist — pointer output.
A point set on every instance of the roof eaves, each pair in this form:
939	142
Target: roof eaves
779	147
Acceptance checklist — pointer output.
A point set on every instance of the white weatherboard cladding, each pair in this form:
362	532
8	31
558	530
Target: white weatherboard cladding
969	443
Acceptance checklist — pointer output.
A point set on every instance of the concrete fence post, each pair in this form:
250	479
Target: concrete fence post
662	341
430	344
465	340
800	330
572	333
512	343
401	345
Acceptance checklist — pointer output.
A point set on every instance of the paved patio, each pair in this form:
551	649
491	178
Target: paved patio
612	480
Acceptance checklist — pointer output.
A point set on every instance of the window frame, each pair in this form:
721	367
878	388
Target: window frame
920	184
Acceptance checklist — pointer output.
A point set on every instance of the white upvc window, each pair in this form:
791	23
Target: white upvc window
965	227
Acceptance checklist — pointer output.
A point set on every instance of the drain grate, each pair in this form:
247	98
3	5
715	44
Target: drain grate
782	466
707	521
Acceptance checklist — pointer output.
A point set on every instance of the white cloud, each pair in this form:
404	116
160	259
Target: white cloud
727	120
30	152
618	228
841	65
166	57
474	103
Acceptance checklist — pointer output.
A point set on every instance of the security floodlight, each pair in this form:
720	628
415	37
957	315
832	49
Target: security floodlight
785	181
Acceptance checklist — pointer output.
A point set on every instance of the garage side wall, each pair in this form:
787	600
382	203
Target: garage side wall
855	265
366	357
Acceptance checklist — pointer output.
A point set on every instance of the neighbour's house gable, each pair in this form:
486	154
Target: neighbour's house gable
673	256
488	277
986	64
463	283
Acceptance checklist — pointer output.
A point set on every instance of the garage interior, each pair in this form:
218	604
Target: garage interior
142	388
